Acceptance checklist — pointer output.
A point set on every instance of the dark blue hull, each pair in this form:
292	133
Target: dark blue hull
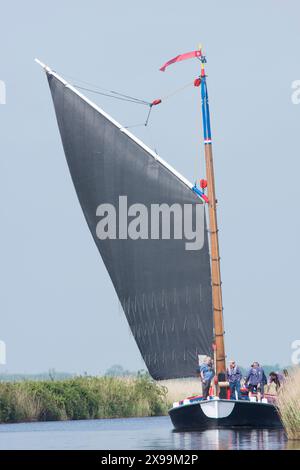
214	414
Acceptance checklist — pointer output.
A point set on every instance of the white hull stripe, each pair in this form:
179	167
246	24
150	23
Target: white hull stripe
217	409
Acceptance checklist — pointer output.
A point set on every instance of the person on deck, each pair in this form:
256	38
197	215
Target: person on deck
233	376
206	374
256	381
274	378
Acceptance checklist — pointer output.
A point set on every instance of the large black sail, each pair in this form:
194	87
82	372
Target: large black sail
165	289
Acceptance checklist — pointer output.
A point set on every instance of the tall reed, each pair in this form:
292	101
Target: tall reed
178	389
288	403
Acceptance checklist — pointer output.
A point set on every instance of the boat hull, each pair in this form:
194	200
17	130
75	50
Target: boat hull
214	414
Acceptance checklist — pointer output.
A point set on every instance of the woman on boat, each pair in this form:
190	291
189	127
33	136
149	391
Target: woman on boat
274	378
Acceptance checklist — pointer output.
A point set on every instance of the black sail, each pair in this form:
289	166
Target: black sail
164	289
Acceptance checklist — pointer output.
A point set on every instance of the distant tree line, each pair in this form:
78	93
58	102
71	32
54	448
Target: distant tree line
115	370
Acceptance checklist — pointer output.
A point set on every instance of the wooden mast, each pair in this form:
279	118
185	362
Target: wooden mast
213	230
212	210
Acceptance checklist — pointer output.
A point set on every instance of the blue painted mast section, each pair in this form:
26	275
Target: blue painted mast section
205	112
205	117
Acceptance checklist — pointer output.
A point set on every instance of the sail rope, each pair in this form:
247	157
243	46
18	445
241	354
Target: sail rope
100	90
92	88
178	90
115	95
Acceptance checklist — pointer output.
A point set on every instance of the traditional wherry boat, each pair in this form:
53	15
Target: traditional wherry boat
169	286
216	413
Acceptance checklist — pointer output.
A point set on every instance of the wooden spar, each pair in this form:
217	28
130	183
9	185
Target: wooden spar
213	230
215	264
212	209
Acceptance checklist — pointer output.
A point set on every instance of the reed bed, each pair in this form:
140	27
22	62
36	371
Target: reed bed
288	403
178	389
82	398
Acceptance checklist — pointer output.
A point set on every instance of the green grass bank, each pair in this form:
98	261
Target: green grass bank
82	398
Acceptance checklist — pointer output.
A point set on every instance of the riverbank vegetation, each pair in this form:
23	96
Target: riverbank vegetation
82	398
289	404
57	396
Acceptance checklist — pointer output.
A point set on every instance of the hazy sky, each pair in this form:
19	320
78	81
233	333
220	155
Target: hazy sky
58	307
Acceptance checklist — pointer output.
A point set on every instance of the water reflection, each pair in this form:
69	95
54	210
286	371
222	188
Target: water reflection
231	439
136	433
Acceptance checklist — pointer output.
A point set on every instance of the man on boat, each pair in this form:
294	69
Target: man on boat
206	374
233	376
256	381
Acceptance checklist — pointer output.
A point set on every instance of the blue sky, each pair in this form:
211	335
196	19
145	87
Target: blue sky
57	304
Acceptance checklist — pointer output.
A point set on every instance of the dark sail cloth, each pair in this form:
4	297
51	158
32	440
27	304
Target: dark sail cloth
164	289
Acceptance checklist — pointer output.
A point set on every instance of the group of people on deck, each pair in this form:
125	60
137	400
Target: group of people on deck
254	381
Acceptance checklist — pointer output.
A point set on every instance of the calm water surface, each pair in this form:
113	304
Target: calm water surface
133	433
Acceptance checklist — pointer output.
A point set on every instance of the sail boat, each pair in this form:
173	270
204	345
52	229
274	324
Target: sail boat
171	295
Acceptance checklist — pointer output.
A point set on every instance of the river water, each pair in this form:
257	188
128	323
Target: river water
133	433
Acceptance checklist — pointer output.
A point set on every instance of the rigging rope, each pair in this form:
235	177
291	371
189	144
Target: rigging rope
99	88
119	96
178	90
124	97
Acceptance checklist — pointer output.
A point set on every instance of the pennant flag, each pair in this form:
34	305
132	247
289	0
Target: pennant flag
179	58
